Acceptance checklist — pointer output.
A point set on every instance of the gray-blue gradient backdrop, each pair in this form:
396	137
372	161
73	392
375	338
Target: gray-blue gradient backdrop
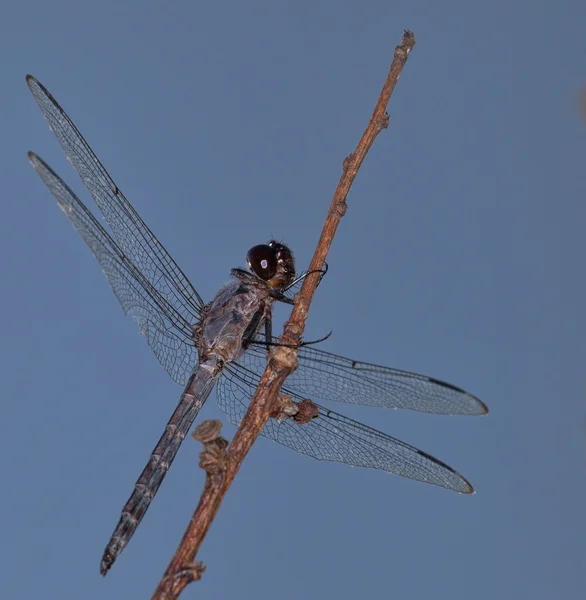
461	256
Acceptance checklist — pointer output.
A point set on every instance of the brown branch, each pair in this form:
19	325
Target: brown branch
283	360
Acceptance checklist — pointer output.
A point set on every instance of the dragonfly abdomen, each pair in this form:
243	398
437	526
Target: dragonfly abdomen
196	392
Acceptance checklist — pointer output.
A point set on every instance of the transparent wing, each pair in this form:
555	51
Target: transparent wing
166	330
134	238
331	436
334	378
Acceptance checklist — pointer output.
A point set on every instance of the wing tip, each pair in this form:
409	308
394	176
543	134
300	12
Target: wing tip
38	90
38	163
468	489
477	404
482	406
480	409
32	81
463	486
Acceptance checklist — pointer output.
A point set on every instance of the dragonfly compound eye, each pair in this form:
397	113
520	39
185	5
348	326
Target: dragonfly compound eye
262	261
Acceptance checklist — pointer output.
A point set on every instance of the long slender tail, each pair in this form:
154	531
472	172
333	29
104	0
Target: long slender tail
196	392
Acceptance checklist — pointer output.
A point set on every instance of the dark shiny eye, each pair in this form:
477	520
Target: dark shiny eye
262	261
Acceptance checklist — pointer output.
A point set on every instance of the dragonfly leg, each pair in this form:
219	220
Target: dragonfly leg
283	345
303	275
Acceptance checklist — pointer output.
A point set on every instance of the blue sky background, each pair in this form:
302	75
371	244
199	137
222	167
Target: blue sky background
461	256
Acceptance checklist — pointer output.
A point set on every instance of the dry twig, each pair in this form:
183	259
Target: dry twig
282	362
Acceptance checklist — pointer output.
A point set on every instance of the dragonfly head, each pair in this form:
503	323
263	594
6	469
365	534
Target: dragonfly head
273	263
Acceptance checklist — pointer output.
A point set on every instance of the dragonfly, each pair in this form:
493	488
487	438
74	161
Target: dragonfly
223	344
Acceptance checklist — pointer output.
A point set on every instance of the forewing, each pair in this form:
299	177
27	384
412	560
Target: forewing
134	238
331	436
330	377
168	333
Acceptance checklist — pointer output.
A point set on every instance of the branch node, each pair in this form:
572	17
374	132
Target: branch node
294	328
340	208
285	356
306	411
301	412
207	431
212	458
174	583
382	122
283	408
347	162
